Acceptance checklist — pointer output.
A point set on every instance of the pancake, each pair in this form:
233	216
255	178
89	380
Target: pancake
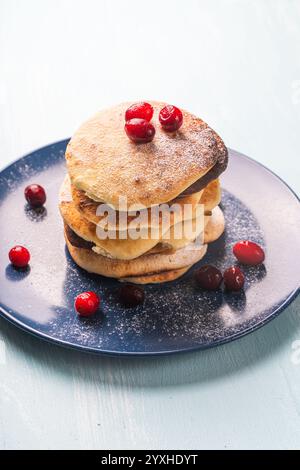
210	196
141	266
105	164
215	226
79	242
129	248
213	230
75	240
157	278
88	208
149	268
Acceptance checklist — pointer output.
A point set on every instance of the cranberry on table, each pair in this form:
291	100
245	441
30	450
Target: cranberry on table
171	118
139	130
139	110
19	256
248	252
208	277
35	195
87	303
234	278
131	295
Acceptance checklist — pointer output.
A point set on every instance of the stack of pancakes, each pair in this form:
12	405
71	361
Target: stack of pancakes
104	166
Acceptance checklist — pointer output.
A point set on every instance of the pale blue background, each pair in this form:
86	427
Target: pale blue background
237	65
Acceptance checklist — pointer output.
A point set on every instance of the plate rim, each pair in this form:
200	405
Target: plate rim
4	313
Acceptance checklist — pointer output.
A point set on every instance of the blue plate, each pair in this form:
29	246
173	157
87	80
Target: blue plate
176	316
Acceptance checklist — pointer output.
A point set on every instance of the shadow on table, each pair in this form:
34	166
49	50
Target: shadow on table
196	367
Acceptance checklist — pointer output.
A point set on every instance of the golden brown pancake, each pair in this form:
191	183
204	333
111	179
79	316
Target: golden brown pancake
213	230
157	278
149	268
88	208
179	168
105	164
129	248
210	197
215	226
79	242
146	264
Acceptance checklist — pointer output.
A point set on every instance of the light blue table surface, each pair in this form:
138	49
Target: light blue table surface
237	65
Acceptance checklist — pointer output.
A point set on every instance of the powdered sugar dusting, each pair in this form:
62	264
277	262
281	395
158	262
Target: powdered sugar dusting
178	311
104	163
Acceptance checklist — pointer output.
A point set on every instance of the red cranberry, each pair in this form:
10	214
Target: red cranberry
234	278
35	195
139	110
131	296
140	130
19	256
170	118
87	303
248	252
208	277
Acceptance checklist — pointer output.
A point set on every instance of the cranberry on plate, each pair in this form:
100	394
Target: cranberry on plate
87	303
234	278
139	130
248	252
171	118
208	277
19	256
35	195
131	295
139	110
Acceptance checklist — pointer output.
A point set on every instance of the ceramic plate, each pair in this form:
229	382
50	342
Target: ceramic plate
176	316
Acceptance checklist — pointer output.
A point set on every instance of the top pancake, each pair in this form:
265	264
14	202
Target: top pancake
105	164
